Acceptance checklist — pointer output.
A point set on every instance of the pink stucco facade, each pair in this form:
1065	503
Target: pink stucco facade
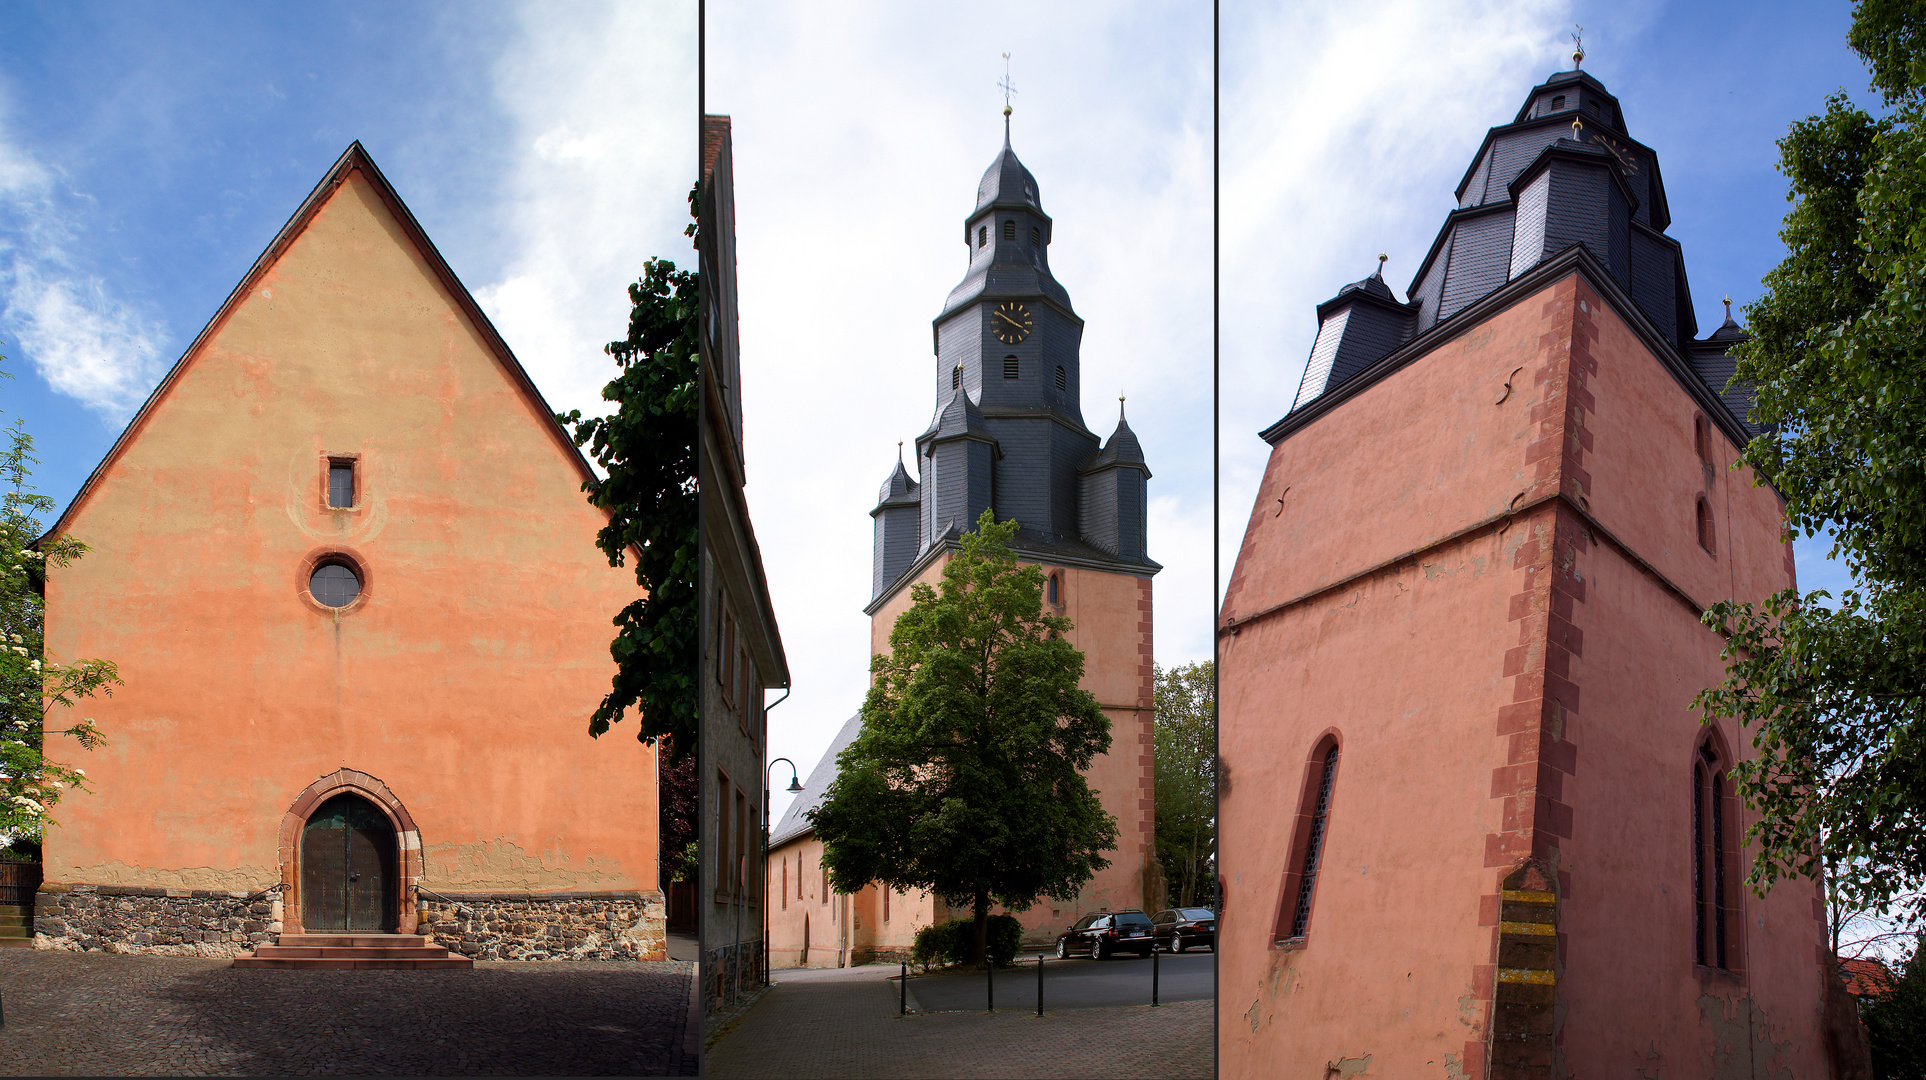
453	692
1480	577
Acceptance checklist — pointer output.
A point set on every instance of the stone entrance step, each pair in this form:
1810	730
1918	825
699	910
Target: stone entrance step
16	927
352	951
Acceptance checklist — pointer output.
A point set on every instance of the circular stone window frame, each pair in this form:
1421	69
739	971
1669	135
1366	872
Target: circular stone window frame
344	556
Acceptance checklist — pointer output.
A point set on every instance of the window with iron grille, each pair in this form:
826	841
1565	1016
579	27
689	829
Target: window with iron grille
1009	367
1306	862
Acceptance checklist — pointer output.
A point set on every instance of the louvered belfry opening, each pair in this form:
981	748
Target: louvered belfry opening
1010	369
1313	847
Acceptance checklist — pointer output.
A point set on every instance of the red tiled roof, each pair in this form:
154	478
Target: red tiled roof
1865	977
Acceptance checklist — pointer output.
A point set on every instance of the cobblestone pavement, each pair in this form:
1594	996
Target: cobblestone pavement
826	1024
102	1014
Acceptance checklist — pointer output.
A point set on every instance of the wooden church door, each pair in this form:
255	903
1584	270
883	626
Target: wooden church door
348	868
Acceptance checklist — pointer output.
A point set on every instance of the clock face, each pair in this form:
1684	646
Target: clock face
1624	154
1010	322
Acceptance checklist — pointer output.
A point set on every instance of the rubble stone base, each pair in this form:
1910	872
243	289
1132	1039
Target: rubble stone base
163	922
546	926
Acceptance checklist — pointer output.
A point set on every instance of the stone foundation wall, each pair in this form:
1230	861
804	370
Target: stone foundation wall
164	922
546	926
721	968
879	954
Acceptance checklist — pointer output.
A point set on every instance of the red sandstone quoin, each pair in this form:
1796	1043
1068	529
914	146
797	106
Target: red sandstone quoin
344	563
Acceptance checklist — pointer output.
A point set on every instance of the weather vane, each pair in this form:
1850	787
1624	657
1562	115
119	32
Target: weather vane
1578	49
1006	85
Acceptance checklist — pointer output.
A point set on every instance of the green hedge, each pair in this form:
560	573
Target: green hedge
949	942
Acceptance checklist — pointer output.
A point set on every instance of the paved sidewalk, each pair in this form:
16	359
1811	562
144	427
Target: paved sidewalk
824	1024
99	1014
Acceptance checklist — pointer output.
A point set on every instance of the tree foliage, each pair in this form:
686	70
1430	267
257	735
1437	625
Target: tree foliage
967	777
1833	689
32	688
1895	1019
1185	720
648	450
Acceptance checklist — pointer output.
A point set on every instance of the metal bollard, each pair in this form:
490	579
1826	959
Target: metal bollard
902	1007
1039	984
989	970
1154	954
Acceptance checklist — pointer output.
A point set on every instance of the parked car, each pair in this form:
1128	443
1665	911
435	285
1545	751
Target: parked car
1105	933
1178	929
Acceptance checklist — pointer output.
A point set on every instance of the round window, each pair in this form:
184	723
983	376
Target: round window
334	585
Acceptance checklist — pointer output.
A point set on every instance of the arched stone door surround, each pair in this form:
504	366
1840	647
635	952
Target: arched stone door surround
407	843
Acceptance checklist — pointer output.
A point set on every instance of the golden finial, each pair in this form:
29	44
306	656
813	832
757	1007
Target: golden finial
1728	307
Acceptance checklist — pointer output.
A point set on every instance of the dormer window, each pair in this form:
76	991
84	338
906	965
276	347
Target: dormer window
1009	230
1557	103
1009	367
982	235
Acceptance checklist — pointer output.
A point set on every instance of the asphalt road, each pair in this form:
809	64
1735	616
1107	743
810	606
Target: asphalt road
1073	984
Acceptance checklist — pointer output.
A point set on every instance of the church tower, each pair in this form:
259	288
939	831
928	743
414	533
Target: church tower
1471	825
1008	435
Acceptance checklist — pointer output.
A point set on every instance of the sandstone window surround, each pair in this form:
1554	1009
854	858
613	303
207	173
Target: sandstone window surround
1298	894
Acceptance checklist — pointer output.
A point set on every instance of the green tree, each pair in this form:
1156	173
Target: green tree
31	687
1833	690
648	450
1895	1019
1185	719
967	778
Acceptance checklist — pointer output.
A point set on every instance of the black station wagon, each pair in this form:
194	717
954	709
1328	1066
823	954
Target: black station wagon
1106	933
1178	929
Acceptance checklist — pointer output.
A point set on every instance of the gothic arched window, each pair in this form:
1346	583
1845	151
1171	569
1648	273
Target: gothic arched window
1712	854
1307	848
1009	230
1054	587
1704	514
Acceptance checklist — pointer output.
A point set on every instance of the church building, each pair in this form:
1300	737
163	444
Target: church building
344	562
1471	824
1007	435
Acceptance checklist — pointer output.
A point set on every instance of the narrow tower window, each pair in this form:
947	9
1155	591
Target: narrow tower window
1704	514
1294	916
785	883
1053	589
982	235
1009	367
1558	103
1063	381
1036	236
1702	439
341	482
956	376
1009	230
1711	898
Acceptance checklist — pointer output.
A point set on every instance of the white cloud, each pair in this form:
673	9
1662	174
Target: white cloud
84	341
603	108
1345	131
860	131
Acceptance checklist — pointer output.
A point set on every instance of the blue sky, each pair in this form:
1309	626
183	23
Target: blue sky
1346	131
149	152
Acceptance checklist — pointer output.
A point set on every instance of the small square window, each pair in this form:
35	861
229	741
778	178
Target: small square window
341	484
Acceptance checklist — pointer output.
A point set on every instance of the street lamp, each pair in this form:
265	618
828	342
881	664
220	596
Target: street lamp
795	785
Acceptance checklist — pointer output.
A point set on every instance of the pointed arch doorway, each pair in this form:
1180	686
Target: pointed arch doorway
348	868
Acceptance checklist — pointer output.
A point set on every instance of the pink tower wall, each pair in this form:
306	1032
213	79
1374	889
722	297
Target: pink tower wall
1491	597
